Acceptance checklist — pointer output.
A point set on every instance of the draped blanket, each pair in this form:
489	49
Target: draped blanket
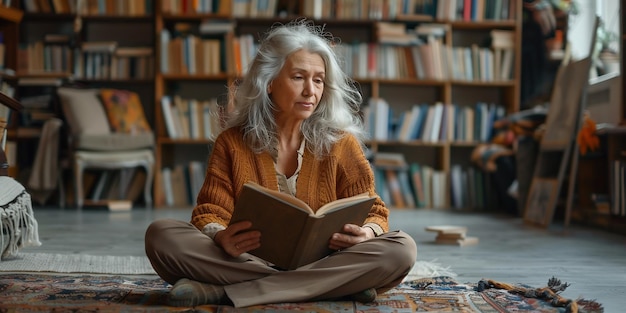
18	226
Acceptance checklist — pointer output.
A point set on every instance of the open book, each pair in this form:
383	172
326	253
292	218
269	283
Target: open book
293	235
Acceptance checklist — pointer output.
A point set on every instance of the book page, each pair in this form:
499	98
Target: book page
291	235
281	196
299	204
342	203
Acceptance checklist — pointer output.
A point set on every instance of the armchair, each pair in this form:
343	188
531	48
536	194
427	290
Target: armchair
108	130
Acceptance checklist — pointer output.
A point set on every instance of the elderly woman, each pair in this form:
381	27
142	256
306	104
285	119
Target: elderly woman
295	129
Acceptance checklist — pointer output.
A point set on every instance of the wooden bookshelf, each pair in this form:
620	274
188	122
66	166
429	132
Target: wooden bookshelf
49	44
211	83
400	92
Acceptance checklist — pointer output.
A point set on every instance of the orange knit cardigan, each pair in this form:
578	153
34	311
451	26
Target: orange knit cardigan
346	172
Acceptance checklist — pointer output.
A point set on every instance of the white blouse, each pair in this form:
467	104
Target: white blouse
288	185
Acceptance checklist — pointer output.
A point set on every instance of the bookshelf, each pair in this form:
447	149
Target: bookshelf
64	42
356	23
202	83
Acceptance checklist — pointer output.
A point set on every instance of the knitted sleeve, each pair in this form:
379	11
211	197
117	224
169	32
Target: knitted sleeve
355	176
215	202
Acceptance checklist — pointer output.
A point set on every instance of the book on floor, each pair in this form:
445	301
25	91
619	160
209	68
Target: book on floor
452	235
292	234
109	204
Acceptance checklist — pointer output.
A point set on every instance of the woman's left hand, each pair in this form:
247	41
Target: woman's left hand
351	235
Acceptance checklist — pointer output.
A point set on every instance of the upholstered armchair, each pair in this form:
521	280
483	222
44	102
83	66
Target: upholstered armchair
108	131
18	226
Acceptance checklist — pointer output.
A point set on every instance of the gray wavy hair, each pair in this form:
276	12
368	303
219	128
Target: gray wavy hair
337	112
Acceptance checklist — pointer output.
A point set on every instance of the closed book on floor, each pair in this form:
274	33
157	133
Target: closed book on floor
293	235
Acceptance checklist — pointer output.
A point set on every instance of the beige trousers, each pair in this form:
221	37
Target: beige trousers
177	249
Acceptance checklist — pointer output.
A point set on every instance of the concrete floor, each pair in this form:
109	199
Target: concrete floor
592	261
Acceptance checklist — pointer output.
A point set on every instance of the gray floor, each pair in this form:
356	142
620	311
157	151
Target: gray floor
592	261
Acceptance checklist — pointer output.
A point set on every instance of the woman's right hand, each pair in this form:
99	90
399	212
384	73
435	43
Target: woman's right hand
237	238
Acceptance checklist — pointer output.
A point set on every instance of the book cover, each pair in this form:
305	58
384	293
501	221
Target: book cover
437	120
418	61
405	186
111	205
427	176
418	129
293	235
418	186
166	185
397	197
168	117
428	123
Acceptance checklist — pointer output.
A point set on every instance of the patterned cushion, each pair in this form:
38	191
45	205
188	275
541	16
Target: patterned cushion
124	111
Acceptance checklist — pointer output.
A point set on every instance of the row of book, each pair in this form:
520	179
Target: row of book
90	7
438	122
195	55
91	60
50	6
430	60
422	53
467	10
192	55
237	8
124	184
36	94
409	186
179	7
211	49
468	187
106	60
189	48
475	10
254	8
355	9
419	186
191	118
181	184
415	185
44	56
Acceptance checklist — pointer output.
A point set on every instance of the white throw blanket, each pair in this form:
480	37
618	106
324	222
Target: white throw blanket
18	226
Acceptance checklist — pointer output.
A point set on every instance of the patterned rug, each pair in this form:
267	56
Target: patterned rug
88	293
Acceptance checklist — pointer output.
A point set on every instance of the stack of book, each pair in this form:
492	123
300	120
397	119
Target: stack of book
452	235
